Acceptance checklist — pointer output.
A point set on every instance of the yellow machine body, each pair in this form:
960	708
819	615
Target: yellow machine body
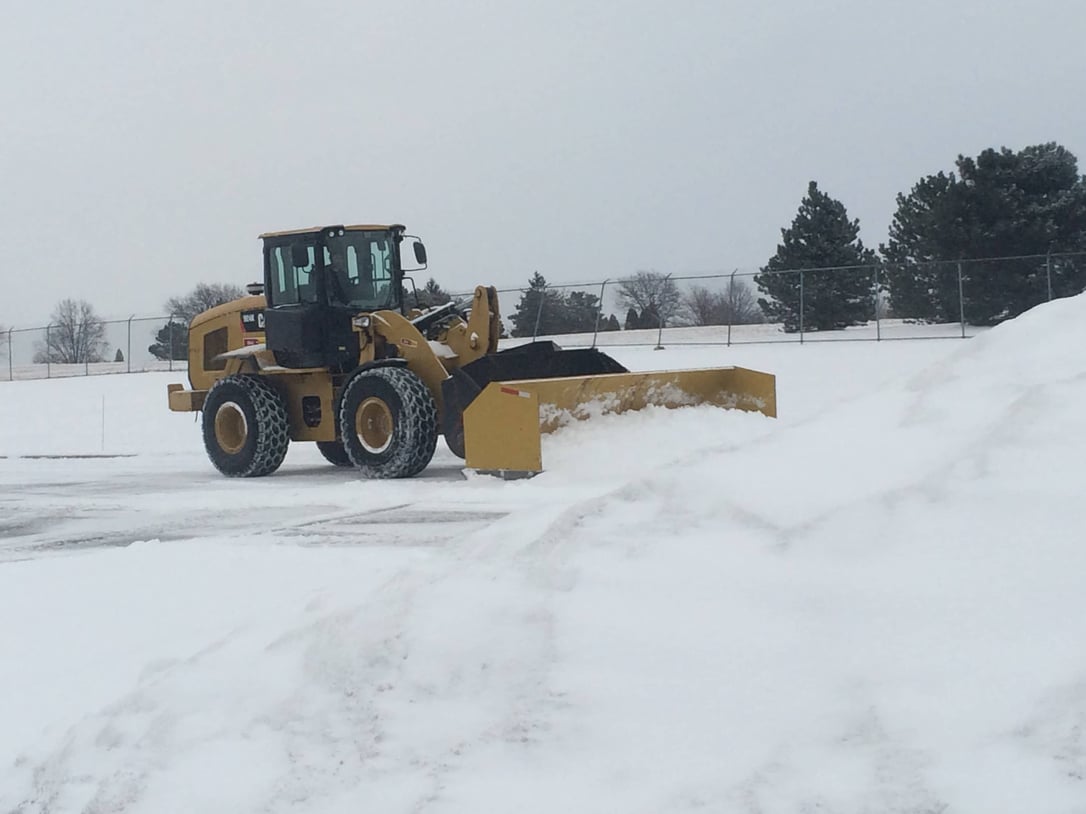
220	346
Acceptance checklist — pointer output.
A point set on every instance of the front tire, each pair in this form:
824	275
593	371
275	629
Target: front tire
246	431
388	420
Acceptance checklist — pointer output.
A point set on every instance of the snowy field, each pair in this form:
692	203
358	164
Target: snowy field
873	604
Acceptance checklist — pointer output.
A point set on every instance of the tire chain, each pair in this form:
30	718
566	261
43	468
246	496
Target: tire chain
419	417
272	426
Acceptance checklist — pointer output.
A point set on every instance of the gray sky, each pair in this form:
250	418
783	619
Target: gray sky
145	145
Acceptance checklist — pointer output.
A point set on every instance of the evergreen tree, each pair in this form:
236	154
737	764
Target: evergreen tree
821	237
182	310
925	230
118	356
171	342
1002	204
537	305
432	294
579	313
555	311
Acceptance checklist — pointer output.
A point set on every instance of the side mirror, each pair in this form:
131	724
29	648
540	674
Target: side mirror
420	253
299	255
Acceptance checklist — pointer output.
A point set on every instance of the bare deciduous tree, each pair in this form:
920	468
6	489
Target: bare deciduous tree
200	299
735	305
75	335
653	295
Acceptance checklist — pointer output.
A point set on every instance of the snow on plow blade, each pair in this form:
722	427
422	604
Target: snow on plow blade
504	424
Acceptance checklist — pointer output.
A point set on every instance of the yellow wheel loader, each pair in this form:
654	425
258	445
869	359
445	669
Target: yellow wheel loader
327	350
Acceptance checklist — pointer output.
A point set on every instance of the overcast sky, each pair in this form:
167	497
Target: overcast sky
145	145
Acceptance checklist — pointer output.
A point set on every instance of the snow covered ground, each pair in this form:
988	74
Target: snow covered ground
871	604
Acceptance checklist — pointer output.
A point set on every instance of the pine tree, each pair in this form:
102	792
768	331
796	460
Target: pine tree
580	310
172	338
546	311
1002	204
537	305
924	232
432	294
171	342
824	242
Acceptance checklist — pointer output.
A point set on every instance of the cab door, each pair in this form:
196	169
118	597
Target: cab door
294	318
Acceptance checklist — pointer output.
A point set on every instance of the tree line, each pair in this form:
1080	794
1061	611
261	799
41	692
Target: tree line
1026	208
77	335
1022	206
650	299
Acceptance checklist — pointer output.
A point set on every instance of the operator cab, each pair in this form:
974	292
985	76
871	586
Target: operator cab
316	280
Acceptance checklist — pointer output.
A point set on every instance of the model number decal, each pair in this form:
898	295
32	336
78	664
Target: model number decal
252	320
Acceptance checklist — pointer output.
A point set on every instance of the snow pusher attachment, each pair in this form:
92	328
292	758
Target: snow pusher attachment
503	425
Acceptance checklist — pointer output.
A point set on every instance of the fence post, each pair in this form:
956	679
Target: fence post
731	305
539	312
1048	273
660	323
599	311
801	306
878	316
128	357
48	353
169	327
11	368
961	299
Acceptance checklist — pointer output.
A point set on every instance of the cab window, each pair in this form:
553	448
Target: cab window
359	271
290	284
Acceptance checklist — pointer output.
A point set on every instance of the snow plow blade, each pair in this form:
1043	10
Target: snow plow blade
503	425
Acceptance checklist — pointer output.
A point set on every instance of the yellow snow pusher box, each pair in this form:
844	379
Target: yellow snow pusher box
504	423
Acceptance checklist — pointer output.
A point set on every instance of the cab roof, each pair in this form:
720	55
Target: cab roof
358	227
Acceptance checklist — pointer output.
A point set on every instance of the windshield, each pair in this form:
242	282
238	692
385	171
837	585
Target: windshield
359	271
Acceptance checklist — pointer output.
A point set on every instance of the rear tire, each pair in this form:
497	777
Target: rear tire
334	453
388	420
246	431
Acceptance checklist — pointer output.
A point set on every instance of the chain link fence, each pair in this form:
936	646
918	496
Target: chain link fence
931	300
886	301
124	346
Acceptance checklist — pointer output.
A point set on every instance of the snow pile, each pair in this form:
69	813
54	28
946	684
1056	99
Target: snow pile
870	604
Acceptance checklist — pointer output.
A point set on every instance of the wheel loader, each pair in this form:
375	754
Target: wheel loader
327	349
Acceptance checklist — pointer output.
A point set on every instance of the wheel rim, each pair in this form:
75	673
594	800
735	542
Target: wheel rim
373	425
231	428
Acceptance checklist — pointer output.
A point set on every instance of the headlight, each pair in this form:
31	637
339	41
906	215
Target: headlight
362	321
